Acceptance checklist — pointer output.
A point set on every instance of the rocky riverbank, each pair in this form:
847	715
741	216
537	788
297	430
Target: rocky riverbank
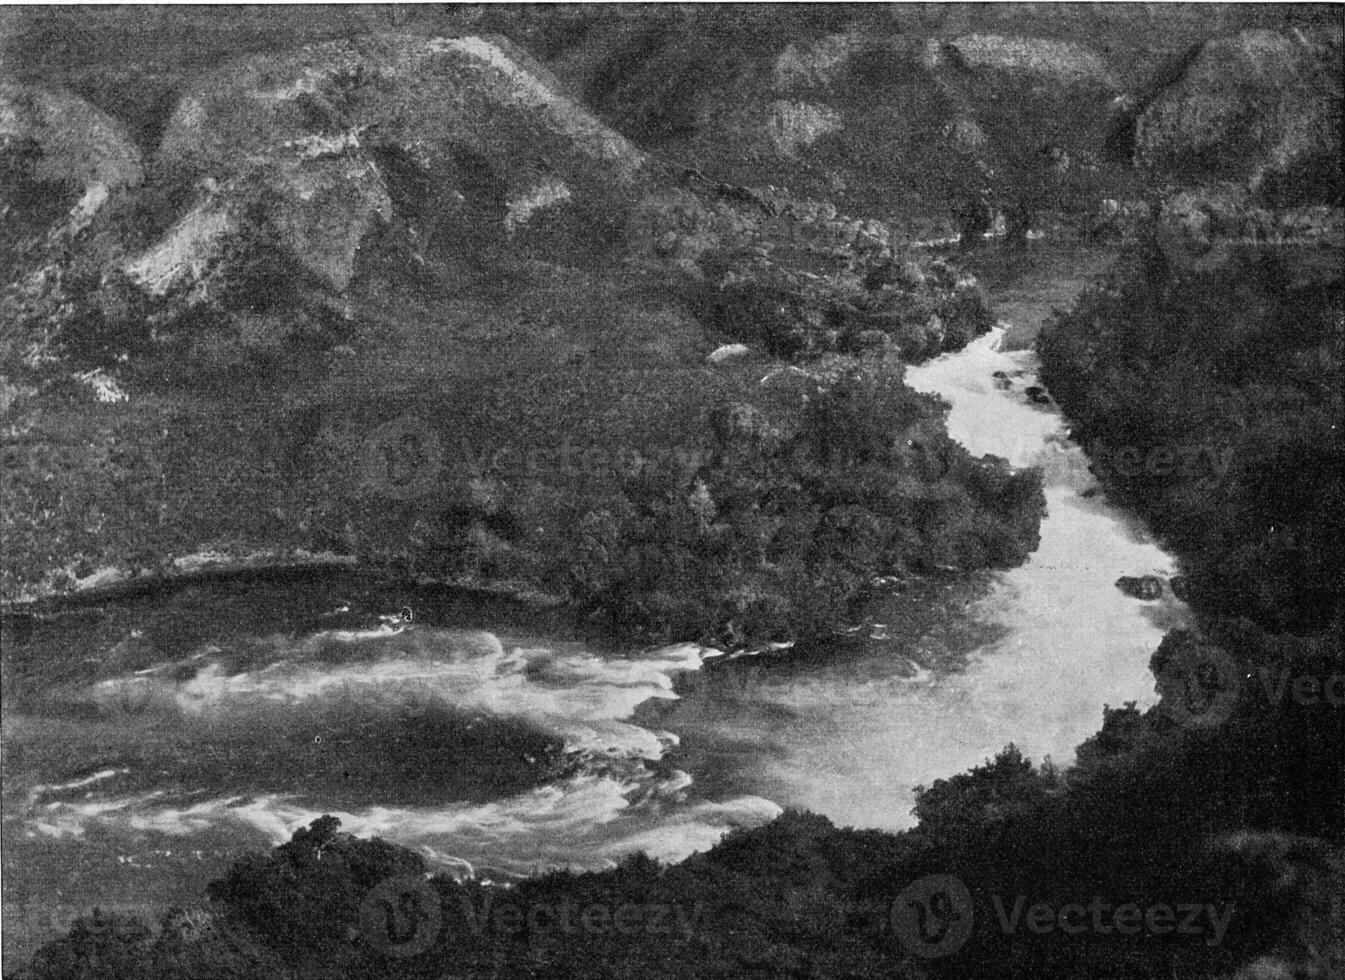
614	306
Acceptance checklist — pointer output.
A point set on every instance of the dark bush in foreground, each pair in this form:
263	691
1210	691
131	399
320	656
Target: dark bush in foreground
1244	819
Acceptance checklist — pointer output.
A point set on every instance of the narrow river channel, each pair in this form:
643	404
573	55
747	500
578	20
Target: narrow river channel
185	762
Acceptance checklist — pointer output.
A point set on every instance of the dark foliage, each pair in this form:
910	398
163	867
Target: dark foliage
791	317
1212	404
306	897
796	513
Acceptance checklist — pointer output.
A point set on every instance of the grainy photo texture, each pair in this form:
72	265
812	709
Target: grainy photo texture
672	491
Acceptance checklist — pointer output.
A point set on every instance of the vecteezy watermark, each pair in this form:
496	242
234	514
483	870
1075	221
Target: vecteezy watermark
1102	918
1189	247
934	917
569	460
1303	689
405	459
43	916
401	459
570	918
1205	461
1199	686
401	916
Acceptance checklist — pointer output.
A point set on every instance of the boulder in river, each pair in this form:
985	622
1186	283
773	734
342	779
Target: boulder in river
1037	395
1146	587
1180	586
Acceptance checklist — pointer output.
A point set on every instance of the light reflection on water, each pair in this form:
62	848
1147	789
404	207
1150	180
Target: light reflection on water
853	742
668	753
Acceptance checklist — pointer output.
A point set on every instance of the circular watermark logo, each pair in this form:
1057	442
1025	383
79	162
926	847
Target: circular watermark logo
1199	686
401	459
401	916
933	916
1188	247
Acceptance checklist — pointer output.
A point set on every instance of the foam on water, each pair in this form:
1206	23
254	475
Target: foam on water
569	692
984	418
847	739
852	741
585	820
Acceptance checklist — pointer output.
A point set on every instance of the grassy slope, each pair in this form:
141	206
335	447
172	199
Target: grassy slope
220	452
226	454
694	85
682	82
796	876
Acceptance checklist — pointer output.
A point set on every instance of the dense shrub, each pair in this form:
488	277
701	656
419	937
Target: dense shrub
307	895
796	513
1212	403
792	315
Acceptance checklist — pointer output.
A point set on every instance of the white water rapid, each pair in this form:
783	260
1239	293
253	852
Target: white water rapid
849	738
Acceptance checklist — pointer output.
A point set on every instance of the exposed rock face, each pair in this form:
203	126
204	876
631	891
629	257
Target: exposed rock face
1254	104
920	107
726	351
55	138
792	126
302	153
1194	227
1058	60
965	135
78	143
821	62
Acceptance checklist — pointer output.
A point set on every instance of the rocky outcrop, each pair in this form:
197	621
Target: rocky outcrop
1033	56
77	144
58	140
820	63
297	156
795	276
794	126
793	312
1119	220
965	135
1250	106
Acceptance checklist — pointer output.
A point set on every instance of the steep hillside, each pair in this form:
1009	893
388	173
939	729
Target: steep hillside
362	290
368	236
608	308
891	112
905	112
